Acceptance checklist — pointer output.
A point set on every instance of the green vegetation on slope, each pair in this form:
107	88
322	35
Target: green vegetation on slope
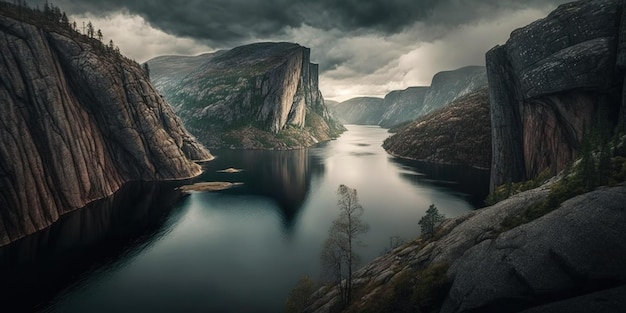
457	134
602	162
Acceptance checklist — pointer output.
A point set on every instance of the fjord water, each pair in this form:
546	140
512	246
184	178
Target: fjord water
151	249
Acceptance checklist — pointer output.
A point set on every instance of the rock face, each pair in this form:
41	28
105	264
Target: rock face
571	252
550	82
360	111
459	133
565	259
77	121
447	86
262	95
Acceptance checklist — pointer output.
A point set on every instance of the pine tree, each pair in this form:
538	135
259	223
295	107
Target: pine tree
90	30
430	221
146	69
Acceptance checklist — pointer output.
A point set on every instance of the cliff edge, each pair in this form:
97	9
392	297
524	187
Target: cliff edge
550	84
263	95
77	121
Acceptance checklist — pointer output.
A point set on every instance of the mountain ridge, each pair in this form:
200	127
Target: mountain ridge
258	96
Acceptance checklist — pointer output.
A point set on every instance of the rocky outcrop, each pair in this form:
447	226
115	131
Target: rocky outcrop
549	84
562	260
360	111
414	102
573	251
459	133
77	121
263	95
402	105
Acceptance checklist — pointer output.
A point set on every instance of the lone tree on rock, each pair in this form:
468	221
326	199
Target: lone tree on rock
338	257
430	221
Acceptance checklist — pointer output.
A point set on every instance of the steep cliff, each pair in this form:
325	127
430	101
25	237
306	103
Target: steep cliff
551	82
459	133
262	95
569	260
414	102
77	121
360	111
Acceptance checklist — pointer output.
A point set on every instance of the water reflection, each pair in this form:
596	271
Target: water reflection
39	266
283	176
468	182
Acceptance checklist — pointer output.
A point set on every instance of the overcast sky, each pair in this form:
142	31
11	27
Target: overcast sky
364	47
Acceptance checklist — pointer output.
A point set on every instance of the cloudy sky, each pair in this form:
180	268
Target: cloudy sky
364	47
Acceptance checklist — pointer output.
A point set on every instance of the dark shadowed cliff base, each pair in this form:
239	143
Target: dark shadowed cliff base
258	96
77	121
41	265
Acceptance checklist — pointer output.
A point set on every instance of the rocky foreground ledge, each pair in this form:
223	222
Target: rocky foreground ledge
570	260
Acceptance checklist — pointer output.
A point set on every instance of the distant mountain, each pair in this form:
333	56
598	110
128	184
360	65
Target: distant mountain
447	86
361	110
263	95
402	105
77	121
459	133
165	70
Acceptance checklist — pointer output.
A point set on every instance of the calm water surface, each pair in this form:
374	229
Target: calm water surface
151	249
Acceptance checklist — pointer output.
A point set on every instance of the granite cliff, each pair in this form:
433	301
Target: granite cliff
262	95
360	111
459	133
414	102
551	82
569	260
77	121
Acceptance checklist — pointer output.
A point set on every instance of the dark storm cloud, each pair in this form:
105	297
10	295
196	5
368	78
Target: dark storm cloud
226	22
